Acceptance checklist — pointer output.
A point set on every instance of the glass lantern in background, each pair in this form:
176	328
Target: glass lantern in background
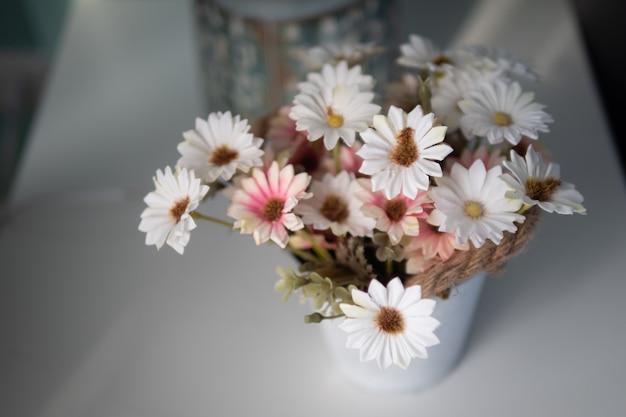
253	53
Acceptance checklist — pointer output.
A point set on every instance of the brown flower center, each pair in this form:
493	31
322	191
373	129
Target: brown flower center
389	320
179	208
396	209
502	119
473	209
334	208
223	155
442	59
541	189
273	209
405	153
334	120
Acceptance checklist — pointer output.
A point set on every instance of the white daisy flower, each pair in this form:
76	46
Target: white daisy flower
168	215
219	146
500	111
392	324
472	203
501	60
352	52
337	75
334	205
452	88
402	150
421	53
536	183
334	113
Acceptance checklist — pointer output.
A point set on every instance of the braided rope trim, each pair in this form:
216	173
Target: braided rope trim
490	258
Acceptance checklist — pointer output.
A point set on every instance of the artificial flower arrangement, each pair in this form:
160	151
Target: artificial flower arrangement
383	205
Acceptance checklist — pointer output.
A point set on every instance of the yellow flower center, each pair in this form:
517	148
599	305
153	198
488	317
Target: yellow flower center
502	119
334	120
389	320
223	155
473	209
396	209
273	209
334	208
541	190
179	208
405	153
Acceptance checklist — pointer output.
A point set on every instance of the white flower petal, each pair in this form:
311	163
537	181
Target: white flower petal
373	341
176	192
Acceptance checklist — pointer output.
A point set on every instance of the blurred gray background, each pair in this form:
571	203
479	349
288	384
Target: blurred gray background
30	31
29	34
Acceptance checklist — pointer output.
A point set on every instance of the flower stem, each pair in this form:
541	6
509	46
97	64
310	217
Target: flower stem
389	268
303	254
196	215
337	158
321	252
425	94
318	318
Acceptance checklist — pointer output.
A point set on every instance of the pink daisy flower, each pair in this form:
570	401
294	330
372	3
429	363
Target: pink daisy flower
283	141
262	204
432	243
281	132
397	216
417	262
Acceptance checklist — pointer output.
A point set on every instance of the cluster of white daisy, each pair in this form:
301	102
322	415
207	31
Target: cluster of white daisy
365	198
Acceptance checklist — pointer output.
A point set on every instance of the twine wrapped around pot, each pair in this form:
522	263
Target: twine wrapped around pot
491	258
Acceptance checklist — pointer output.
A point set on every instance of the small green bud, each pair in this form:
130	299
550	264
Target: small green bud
313	318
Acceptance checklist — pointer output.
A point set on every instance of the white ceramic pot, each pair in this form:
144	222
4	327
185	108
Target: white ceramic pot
456	314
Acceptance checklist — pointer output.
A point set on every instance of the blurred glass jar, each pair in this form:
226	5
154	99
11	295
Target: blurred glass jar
253	53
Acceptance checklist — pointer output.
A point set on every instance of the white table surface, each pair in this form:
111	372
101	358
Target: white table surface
95	324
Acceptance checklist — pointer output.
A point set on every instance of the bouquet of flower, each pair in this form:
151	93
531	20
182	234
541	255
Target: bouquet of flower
385	201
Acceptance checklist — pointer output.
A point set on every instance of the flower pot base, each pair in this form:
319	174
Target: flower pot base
456	314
